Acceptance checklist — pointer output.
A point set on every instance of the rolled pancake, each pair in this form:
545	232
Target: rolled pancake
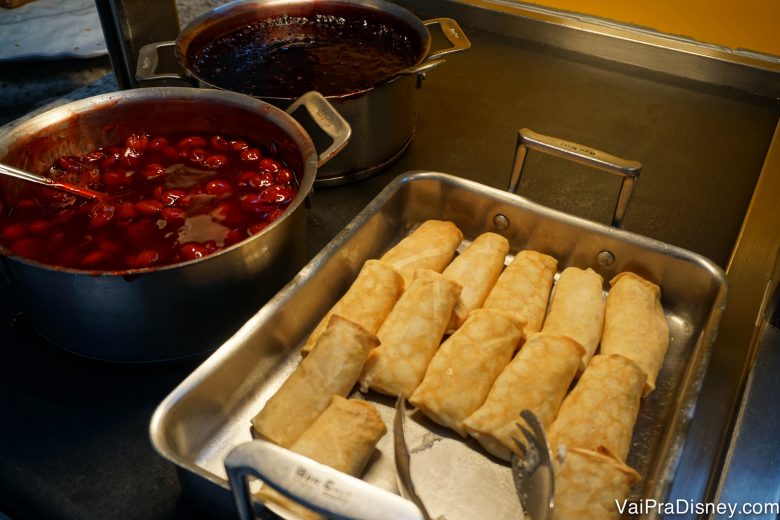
431	246
523	289
577	309
367	302
635	325
476	270
343	437
591	484
603	407
331	369
410	335
464	368
537	379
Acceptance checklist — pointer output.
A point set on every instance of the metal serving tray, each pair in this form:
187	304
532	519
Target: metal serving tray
209	413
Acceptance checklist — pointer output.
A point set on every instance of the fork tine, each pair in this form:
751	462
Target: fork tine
528	434
521	447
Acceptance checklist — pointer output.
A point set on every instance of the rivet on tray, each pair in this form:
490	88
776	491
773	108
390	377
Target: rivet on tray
606	258
500	221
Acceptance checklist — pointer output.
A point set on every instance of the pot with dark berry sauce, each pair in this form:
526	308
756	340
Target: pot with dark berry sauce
366	56
202	217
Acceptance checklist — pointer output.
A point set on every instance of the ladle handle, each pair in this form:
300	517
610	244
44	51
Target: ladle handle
24	175
328	119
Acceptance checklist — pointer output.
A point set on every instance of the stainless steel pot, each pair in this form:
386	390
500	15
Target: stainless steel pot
382	118
183	309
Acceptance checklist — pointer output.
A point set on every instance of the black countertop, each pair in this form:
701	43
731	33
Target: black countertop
74	441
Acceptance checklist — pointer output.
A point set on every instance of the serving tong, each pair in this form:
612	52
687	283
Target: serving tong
532	470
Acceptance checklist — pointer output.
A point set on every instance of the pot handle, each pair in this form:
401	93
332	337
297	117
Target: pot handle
628	170
148	59
328	119
319	487
454	35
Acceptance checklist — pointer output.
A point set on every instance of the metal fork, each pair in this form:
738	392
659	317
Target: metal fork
532	471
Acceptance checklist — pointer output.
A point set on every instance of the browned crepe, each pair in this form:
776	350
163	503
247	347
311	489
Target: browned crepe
367	302
411	334
537	379
635	325
343	437
590	485
476	270
577	309
430	246
523	289
603	407
463	370
331	369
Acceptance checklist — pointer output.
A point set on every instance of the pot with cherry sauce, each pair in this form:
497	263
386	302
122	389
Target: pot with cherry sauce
203	218
367	57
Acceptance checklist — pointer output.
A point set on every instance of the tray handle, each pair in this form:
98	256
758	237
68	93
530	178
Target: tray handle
148	59
454	34
328	119
628	170
318	487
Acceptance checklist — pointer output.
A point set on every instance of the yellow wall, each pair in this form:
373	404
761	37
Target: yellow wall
747	24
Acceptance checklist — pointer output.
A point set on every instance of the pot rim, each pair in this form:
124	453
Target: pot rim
288	124
238	7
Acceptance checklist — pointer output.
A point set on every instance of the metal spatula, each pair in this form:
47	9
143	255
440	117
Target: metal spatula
533	470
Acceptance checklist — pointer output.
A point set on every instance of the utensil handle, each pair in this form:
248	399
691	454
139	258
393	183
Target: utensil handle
148	59
454	35
24	175
316	486
628	170
328	119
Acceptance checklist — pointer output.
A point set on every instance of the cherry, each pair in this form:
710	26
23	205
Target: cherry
194	141
158	143
153	171
173	214
95	257
12	232
220	188
126	211
285	176
172	197
39	226
192	251
101	215
257	228
214	162
219	143
269	165
197	155
250	155
238	145
143	259
137	142
149	207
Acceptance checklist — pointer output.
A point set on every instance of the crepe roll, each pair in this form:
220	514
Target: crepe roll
367	302
577	309
635	325
333	368
476	270
537	379
430	246
603	407
411	334
523	289
465	366
343	437
591	484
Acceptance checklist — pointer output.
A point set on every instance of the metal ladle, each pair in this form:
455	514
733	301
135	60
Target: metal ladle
24	175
